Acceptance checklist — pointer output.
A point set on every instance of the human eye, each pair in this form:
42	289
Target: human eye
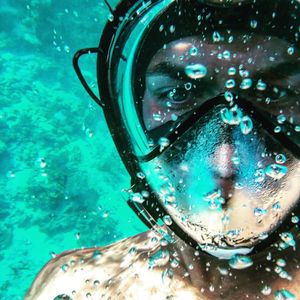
176	96
270	94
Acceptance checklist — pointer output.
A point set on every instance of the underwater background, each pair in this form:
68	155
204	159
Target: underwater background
61	178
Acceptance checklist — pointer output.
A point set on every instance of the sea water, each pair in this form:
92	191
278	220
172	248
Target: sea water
60	176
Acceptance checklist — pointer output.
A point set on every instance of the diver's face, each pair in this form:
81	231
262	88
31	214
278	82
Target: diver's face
226	181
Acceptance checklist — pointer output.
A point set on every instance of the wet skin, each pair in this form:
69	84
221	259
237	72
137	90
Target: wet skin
118	274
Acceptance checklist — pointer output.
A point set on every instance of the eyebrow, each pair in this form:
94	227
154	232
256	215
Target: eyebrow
280	71
165	68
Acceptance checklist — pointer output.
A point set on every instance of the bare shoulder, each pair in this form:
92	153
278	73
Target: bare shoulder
119	271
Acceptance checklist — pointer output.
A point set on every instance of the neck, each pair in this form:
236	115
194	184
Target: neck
214	277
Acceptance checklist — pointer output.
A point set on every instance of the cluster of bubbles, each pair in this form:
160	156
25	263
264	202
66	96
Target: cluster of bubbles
275	171
59	43
287	240
234	116
214	199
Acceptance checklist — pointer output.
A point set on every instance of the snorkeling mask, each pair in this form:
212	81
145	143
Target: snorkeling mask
202	101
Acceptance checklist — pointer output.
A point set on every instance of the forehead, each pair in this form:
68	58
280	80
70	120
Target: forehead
254	51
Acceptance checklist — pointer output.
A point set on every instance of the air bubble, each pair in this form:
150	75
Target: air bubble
246	84
159	258
10	174
163	143
246	125
295	219
284	295
145	194
253	24
290	50
137	197
281	118
216	36
277	129
236	160
276	206
132	251
174	117
196	71
140	175
240	262
258	211
276	171
231	71
266	290
172	28
230	83
188	86
194	51
167	220
67	49
263	235
65	267
111	17
226	55
42	162
89	133
174	263
96	282
243	73
281	262
228	96
280	158
97	255
261	86
105	214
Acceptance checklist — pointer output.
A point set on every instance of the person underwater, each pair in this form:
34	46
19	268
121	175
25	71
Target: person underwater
202	101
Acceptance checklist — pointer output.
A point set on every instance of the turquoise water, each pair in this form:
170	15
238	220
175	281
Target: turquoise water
61	178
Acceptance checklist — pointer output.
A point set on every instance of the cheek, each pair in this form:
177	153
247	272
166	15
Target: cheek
152	112
155	112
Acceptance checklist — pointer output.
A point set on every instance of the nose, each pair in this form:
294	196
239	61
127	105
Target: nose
222	161
224	169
